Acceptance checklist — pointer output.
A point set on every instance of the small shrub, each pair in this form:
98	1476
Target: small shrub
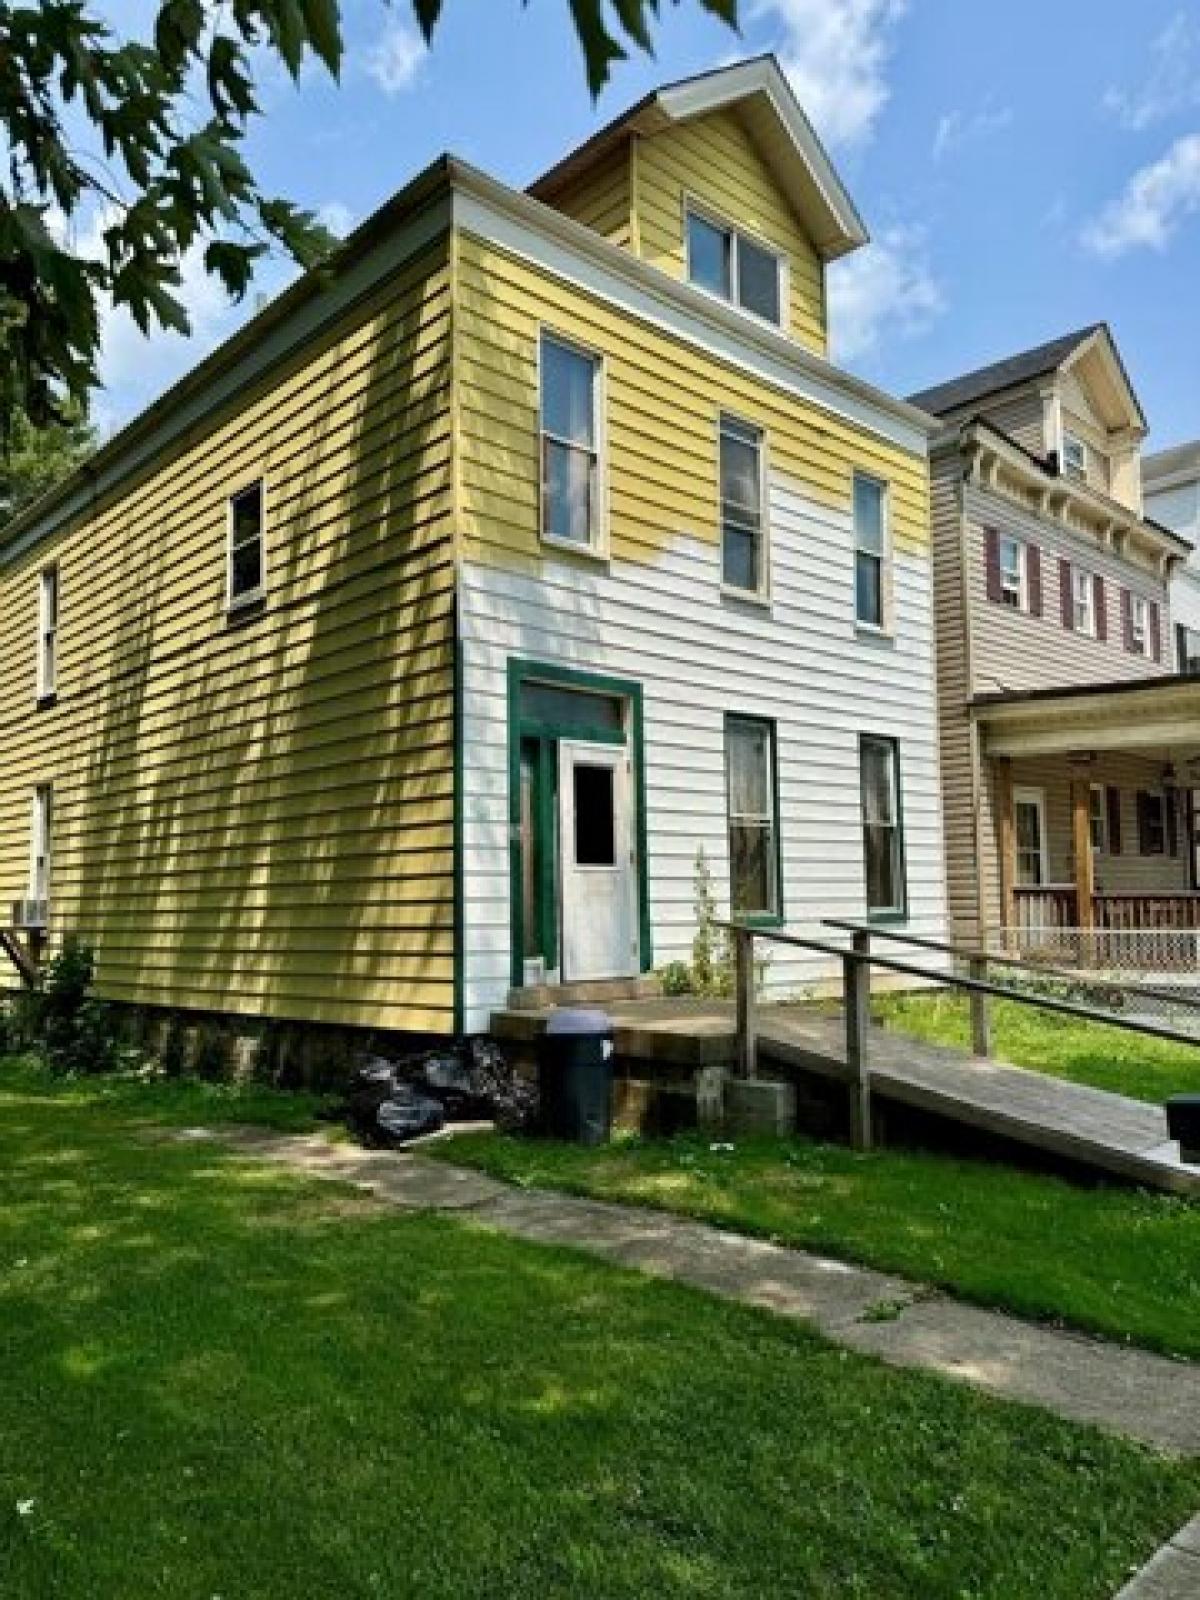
676	978
74	1031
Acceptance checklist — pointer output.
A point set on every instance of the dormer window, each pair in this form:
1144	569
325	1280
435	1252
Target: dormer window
730	264
1075	455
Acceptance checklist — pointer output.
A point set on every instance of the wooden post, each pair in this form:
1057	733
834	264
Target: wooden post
747	1003
1007	835
981	1024
1085	869
856	982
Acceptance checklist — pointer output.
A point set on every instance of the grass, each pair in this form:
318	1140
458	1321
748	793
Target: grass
223	1380
1117	1262
1084	1052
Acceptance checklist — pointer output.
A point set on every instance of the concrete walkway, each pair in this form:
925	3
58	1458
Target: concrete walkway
1131	1392
1174	1573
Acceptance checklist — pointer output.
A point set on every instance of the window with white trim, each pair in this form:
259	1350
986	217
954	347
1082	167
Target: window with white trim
883	839
729	263
1083	601
1075	454
39	842
754	864
1014	572
1097	817
246	575
1139	624
1029	826
743	542
870	551
47	654
570	443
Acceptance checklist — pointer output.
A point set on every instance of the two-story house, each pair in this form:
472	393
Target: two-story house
411	647
1069	748
1171	488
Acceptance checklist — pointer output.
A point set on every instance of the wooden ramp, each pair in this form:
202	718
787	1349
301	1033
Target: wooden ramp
1108	1133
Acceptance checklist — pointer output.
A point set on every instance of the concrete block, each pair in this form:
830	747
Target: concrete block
710	1097
759	1105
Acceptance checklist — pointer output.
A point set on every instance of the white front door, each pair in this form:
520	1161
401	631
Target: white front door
597	861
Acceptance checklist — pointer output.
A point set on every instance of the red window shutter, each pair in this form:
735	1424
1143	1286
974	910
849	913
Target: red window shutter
1155	634
1101	603
1033	571
1127	620
1112	797
1066	599
991	551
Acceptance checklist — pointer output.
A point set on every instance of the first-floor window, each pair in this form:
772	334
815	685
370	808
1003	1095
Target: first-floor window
753	819
883	840
1187	650
246	581
1096	816
1029	824
39	853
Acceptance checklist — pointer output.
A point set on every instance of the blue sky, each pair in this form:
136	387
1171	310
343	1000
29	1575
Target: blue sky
1023	168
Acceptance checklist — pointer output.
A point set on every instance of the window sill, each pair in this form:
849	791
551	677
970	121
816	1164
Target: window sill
758	599
868	630
246	606
887	919
568	547
767	919
43	702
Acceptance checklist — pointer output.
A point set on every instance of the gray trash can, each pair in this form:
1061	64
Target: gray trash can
1183	1123
575	1076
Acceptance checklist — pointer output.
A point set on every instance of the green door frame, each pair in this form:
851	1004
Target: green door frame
521	672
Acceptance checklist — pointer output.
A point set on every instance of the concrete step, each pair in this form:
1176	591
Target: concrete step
598	992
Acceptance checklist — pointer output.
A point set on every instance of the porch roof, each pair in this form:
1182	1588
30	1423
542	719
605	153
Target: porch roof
1157	716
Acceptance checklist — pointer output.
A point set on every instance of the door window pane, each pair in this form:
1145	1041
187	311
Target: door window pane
753	825
758	279
595	827
710	256
581	710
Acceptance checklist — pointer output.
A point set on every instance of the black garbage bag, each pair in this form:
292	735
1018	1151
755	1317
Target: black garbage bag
464	1082
381	1108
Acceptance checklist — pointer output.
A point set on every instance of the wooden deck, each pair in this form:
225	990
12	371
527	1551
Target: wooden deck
1108	1133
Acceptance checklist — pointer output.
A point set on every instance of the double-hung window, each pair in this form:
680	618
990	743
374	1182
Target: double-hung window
246	574
731	264
883	834
870	551
1014	573
39	843
1187	650
570	444
751	788
1139	625
1083	602
1075	455
47	654
743	542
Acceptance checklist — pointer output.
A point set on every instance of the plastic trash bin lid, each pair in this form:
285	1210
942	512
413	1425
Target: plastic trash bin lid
578	1020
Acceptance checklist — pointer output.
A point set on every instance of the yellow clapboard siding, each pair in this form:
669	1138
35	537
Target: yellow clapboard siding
663	402
258	819
713	160
601	198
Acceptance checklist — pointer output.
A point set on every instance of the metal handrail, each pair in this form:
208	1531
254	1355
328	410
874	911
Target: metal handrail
999	958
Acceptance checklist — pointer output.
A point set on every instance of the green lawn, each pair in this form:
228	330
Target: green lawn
1113	1261
222	1380
1084	1052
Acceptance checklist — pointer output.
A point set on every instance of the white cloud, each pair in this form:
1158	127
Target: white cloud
338	218
956	127
395	61
1153	203
1173	82
836	52
887	290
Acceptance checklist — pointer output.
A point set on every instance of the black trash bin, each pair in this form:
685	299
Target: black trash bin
1183	1123
575	1076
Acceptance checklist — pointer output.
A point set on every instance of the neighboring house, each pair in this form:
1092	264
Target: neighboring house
1171	486
1069	749
410	648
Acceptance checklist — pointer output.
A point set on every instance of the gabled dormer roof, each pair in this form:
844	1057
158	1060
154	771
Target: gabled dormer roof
1091	349
763	98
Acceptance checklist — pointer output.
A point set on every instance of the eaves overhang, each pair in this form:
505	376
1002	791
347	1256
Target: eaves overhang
1153	713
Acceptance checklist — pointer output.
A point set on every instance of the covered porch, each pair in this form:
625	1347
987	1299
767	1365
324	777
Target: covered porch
1094	795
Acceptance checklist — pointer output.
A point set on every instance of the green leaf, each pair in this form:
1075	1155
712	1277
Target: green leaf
324	32
233	264
427	13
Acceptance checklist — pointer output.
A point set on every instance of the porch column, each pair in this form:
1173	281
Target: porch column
1085	866
1007	830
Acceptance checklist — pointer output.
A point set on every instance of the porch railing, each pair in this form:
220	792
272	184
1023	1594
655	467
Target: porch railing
1129	931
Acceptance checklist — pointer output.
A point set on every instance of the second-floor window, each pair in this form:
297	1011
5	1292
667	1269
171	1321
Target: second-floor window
729	263
870	551
1083	601
47	656
743	553
246	580
570	444
1141	625
1014	573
